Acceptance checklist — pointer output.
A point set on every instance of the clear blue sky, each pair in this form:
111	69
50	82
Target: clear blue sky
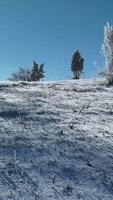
49	31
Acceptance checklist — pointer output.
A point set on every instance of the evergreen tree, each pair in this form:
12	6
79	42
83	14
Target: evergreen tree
37	71
77	65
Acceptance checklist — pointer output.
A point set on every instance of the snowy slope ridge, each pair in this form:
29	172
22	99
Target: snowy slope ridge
56	140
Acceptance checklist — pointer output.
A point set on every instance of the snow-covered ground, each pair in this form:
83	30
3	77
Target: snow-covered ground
56	140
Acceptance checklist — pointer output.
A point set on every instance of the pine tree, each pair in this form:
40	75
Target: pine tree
77	65
37	71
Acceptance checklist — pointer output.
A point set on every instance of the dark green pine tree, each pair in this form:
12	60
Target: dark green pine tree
41	71
37	71
77	65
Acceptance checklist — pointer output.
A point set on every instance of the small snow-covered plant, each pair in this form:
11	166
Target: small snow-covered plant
22	74
68	188
107	50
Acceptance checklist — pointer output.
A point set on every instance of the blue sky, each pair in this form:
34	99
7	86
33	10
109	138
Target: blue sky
49	31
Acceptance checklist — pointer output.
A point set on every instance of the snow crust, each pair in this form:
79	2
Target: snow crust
56	140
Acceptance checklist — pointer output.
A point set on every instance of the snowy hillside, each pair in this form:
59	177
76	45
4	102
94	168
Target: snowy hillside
56	140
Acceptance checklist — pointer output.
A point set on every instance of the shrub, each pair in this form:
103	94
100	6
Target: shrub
21	75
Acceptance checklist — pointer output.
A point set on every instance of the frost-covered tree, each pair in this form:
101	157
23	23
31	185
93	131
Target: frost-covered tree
34	74
77	65
107	48
37	71
21	75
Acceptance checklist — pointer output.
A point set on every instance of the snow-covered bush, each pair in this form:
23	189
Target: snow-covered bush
21	75
107	50
25	74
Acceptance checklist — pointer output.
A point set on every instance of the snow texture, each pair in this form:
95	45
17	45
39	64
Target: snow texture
56	140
